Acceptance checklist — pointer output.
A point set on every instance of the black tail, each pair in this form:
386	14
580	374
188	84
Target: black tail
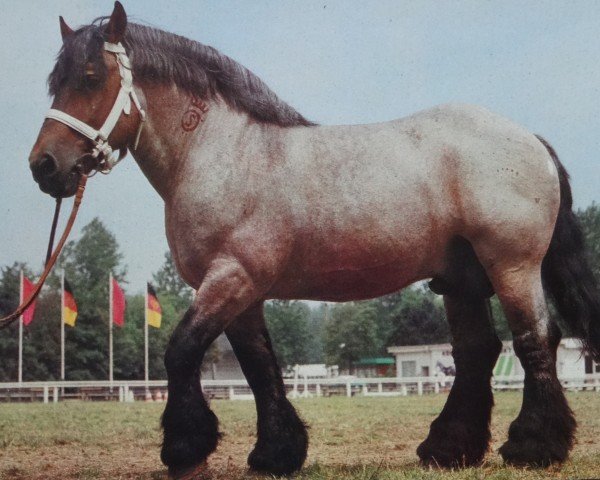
567	276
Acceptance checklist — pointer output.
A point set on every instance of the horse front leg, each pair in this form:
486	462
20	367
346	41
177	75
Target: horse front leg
460	436
282	439
190	428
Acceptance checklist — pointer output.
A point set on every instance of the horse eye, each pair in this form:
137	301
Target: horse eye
91	80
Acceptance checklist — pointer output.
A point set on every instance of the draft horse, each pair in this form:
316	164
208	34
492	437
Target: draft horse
260	203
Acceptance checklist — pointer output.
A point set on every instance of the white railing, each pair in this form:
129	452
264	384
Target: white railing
156	390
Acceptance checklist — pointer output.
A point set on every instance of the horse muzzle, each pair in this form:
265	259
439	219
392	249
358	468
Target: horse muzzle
51	180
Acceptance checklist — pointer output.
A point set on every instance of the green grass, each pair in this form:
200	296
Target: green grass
358	439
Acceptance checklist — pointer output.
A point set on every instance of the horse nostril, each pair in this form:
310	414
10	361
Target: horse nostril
46	166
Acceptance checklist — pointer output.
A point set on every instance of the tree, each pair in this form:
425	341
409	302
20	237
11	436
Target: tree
418	319
41	340
316	332
9	301
287	323
590	222
351	333
168	281
87	263
500	320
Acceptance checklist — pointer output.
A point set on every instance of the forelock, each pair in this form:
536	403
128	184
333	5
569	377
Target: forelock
84	46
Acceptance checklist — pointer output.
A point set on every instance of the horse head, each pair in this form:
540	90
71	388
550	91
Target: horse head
91	114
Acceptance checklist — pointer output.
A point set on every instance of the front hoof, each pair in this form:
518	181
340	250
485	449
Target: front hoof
188	441
453	446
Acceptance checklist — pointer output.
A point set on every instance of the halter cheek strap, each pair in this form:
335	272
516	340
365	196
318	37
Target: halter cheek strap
126	95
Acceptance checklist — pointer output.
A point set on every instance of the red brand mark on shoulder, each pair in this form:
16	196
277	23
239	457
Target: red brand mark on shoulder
199	104
194	114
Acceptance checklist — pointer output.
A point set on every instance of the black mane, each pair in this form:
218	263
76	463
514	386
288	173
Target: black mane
167	58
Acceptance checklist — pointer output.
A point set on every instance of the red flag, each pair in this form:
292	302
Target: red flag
26	289
118	304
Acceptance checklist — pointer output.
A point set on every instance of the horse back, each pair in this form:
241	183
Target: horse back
378	205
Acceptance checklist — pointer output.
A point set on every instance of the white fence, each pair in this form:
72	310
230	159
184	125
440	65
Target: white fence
156	390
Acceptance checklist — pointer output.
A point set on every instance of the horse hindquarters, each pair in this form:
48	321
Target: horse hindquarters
543	433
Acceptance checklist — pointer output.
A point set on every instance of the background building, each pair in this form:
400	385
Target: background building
429	360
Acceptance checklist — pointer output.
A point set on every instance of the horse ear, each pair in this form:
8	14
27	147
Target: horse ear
115	28
65	30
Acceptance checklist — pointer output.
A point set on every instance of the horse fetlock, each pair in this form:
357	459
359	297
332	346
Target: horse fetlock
454	444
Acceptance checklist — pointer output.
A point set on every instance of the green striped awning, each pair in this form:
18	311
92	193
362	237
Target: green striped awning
504	366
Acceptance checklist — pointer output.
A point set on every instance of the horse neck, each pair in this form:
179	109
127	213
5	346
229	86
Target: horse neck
178	132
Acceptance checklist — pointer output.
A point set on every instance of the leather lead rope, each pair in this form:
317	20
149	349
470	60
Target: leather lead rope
53	230
50	259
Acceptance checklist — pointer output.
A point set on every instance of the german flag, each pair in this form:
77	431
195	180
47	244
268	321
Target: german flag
153	310
69	307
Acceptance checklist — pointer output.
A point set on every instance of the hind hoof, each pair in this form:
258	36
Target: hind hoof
540	440
532	453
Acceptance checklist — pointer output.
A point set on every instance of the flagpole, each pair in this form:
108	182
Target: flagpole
20	373
110	330
62	326
146	372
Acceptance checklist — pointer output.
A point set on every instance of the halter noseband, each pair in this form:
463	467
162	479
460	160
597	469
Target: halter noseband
102	148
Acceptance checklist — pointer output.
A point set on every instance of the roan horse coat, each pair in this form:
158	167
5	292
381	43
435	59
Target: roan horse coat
260	203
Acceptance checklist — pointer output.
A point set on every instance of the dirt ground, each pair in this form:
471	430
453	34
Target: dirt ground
358	438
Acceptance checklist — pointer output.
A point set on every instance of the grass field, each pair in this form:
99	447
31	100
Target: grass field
359	438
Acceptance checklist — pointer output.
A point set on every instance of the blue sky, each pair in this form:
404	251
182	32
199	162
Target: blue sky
336	62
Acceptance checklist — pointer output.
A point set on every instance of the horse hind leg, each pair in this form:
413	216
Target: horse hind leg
282	439
460	435
543	432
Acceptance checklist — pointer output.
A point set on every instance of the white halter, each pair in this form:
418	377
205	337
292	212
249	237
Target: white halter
122	105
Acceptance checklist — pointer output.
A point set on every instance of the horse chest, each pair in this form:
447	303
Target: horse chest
193	234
